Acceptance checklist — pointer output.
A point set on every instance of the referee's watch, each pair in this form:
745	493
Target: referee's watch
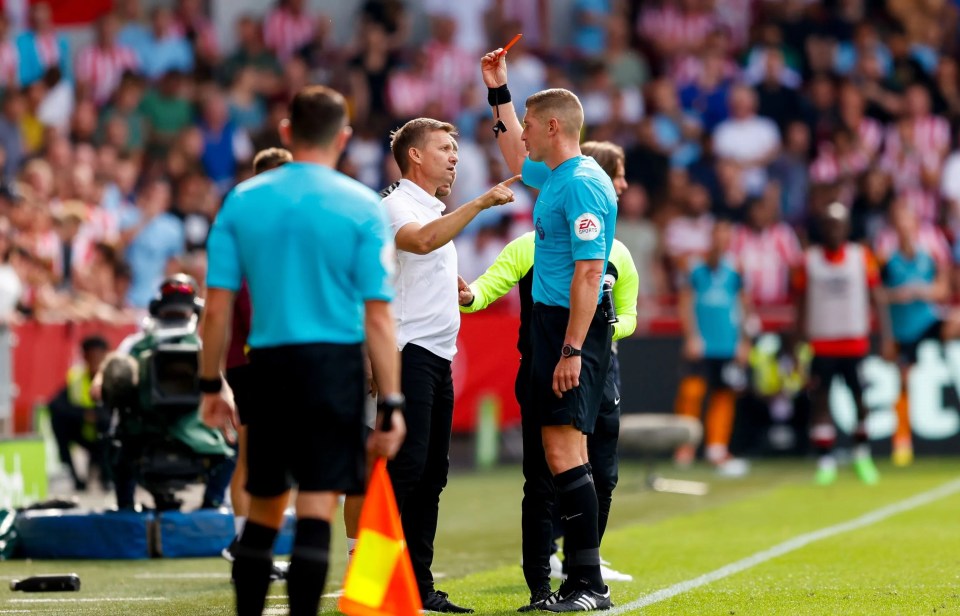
569	351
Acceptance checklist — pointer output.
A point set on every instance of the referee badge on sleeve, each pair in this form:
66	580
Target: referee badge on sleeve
587	227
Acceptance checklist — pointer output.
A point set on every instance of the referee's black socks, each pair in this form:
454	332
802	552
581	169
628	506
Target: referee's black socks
253	562
578	515
308	566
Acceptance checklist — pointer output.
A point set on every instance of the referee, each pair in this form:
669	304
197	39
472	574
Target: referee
574	220
514	267
312	245
428	320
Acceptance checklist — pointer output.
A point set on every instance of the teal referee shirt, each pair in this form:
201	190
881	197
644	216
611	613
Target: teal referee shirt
575	217
312	245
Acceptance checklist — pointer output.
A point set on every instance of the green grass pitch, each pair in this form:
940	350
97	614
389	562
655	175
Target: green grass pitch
907	563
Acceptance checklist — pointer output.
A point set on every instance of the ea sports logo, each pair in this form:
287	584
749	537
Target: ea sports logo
587	227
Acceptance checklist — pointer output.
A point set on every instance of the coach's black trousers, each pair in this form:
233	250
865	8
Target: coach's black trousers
602	444
419	472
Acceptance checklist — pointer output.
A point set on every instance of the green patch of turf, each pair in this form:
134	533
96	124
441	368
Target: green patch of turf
906	564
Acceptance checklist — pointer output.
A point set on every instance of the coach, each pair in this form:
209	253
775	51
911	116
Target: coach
312	245
428	320
574	220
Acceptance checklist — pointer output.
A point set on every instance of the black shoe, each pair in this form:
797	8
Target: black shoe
583	600
437	601
540	599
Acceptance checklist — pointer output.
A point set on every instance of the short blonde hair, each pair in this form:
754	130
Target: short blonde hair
270	158
606	154
560	104
414	134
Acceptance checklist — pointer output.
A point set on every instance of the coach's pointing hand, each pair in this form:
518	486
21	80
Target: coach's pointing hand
499	194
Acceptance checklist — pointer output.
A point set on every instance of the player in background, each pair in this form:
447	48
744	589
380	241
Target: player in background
915	281
835	289
713	308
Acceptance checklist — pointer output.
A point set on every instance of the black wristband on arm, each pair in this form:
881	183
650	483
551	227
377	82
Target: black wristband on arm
387	406
210	386
498	96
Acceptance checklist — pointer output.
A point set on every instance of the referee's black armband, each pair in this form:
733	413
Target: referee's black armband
498	96
210	386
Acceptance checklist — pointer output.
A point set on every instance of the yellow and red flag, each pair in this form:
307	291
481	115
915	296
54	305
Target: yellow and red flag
380	579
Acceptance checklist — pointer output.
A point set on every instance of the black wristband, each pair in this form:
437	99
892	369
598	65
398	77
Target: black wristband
498	96
210	386
386	407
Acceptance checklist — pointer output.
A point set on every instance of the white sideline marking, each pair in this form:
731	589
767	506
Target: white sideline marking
181	576
89	600
278	610
877	515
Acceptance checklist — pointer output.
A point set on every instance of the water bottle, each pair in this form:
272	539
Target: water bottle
606	299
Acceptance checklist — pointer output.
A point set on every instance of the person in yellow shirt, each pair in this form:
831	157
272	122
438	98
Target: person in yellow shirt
77	418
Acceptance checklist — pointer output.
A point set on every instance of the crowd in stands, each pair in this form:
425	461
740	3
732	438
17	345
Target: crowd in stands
116	156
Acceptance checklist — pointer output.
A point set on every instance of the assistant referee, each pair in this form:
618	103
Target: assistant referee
575	219
313	247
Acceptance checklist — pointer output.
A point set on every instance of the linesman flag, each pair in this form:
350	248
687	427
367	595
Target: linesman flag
380	579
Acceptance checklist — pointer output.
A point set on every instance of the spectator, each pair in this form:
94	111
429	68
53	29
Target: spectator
639	235
628	68
707	97
101	66
789	170
167	111
168	49
10	139
767	250
41	48
369	72
252	52
133	32
677	132
450	67
154	241
751	141
468	19
590	19
9	57
688	235
247	109
225	145
127	110
288	28
196	28
57	105
870	208
776	99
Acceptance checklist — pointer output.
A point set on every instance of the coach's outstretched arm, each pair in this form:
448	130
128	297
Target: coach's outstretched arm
424	239
494	68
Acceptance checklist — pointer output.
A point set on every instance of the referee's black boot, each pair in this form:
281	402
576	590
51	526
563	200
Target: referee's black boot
437	601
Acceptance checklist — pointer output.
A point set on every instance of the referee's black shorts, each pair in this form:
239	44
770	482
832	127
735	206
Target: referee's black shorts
580	405
305	419
238	377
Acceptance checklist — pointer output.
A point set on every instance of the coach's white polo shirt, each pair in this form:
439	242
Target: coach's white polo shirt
426	305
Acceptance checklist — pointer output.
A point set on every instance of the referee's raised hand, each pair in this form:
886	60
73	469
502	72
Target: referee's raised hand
499	194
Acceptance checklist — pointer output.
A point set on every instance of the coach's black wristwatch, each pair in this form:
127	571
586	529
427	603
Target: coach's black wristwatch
569	351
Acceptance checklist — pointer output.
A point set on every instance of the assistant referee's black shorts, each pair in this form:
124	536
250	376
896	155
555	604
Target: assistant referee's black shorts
238	377
580	405
305	419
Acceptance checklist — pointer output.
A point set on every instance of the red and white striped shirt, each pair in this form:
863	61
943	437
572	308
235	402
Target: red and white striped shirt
766	259
408	94
686	236
671	27
830	167
929	238
930	135
451	71
9	65
103	69
286	33
870	133
737	17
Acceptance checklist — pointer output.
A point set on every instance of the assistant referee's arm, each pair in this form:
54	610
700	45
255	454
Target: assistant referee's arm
625	291
512	264
223	281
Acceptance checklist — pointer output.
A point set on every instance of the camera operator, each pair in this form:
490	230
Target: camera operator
174	309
